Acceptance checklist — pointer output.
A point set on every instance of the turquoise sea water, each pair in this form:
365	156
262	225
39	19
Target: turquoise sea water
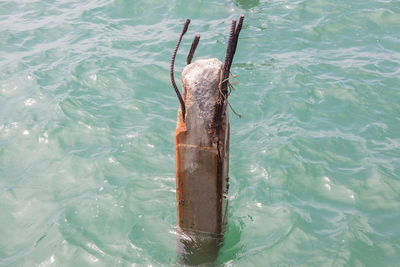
88	115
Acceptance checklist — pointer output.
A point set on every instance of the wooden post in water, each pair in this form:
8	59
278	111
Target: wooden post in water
202	150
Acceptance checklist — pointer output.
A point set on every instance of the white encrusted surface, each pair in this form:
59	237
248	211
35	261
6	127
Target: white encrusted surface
200	81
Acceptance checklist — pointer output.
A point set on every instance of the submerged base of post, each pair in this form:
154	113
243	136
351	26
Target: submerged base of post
196	248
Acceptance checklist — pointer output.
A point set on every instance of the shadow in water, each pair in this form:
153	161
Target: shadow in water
197	248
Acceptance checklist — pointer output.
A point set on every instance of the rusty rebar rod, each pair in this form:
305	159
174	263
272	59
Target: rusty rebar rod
236	38
230	53
178	94
193	48
228	58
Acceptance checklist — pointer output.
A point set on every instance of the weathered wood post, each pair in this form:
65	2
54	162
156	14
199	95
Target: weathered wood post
202	150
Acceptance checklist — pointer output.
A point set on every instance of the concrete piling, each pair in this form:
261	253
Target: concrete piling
202	151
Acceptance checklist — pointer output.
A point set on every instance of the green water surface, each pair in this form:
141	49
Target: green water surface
88	115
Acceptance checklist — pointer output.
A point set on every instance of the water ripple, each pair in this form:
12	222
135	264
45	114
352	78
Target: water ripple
87	119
